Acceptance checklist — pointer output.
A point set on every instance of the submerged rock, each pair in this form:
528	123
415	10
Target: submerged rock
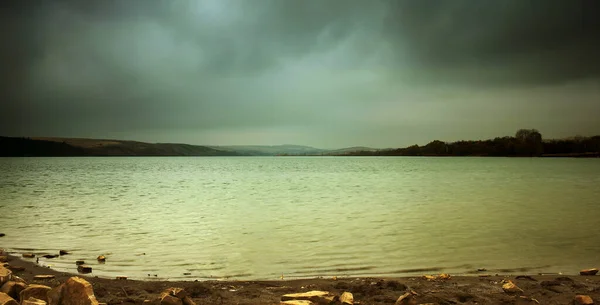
50	256
79	262
28	255
84	269
63	252
101	258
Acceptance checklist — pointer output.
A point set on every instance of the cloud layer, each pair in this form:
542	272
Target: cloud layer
325	73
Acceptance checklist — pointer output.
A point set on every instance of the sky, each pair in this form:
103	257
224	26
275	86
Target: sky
324	73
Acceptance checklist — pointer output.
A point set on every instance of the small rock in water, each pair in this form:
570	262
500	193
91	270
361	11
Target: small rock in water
583	300
50	255
481	269
101	258
79	262
592	271
121	277
28	255
187	273
2	234
63	252
84	269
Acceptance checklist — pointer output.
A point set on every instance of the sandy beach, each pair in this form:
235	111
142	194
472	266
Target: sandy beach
477	289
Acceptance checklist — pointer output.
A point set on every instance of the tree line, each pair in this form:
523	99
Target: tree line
525	143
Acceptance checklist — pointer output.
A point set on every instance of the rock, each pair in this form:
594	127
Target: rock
442	276
511	288
3	258
43	277
481	269
525	277
13	289
35	291
121	277
5	275
347	298
176	292
314	296
28	255
79	262
63	252
33	301
592	271
296	302
84	269
5	299
50	255
101	258
578	300
75	291
407	299
188	301
167	299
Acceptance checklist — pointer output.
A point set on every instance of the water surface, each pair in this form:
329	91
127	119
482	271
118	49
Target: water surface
261	217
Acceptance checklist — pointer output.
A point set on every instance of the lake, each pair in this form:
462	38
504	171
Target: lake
261	217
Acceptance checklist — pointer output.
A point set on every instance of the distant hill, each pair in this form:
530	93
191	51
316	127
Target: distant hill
266	150
98	147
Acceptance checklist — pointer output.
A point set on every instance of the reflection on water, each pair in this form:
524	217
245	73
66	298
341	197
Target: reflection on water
260	217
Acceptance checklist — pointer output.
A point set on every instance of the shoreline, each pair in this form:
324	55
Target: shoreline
475	289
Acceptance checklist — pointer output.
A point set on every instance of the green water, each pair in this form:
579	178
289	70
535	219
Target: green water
260	217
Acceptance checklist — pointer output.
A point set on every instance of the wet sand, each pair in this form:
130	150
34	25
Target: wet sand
546	289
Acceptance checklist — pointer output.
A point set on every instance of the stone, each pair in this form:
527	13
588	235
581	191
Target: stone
28	255
75	291
3	258
79	262
35	291
84	269
13	289
50	256
296	302
314	296
442	276
579	300
63	252
5	299
42	277
33	301
510	288
101	258
5	275
592	271
188	301
347	298
176	292
167	299
2	234
121	277
407	299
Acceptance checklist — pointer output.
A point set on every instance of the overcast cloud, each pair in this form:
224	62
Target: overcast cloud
330	73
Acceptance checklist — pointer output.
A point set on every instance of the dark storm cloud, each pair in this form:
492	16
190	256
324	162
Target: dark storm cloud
143	67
